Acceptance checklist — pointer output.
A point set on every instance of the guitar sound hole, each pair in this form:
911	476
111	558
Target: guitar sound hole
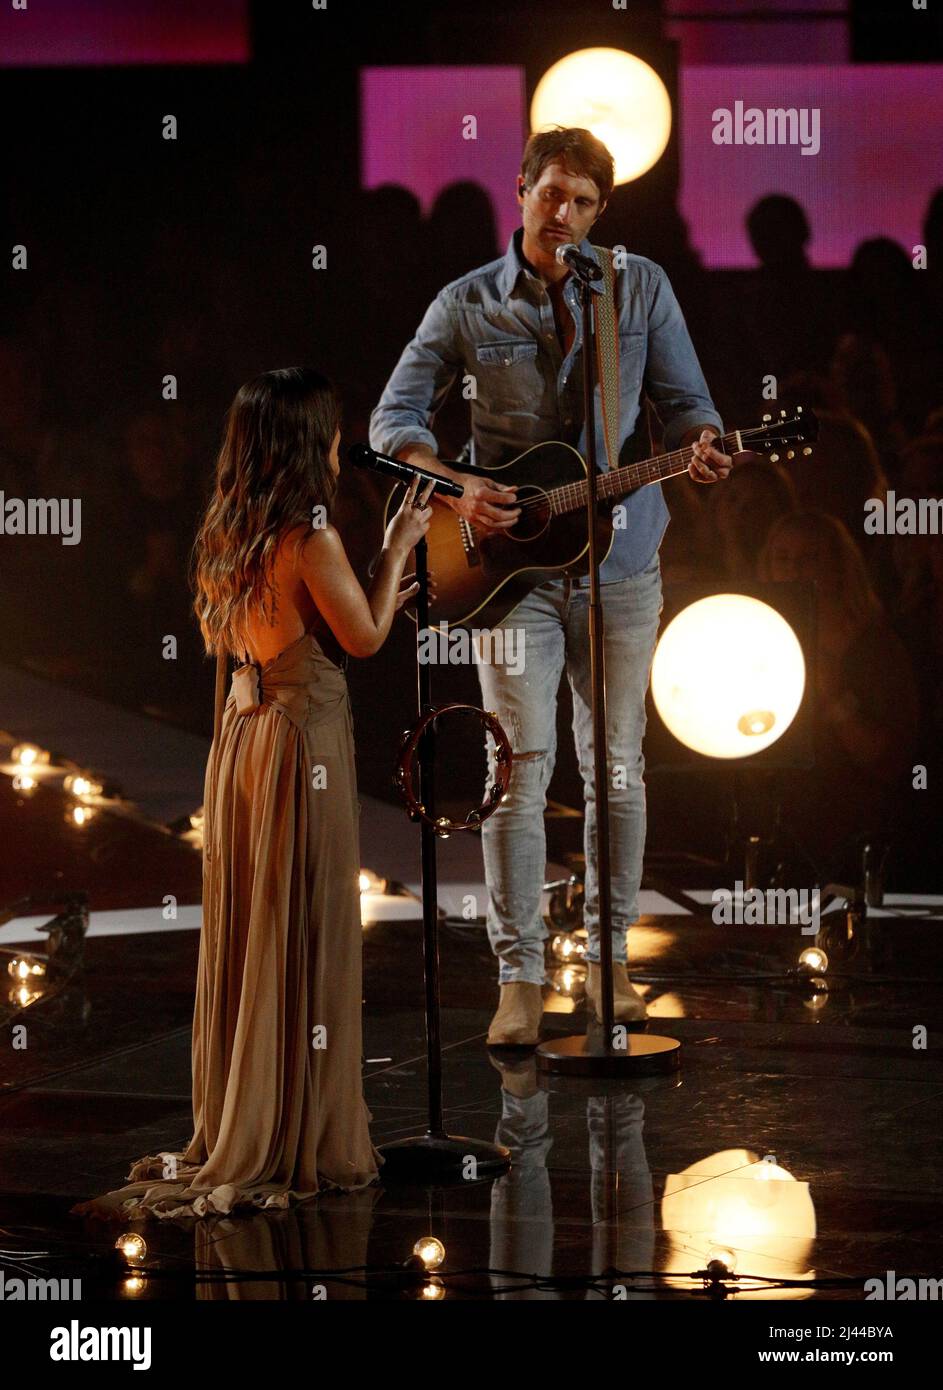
535	514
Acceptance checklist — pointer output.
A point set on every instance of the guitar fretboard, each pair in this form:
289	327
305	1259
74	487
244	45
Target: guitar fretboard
616	484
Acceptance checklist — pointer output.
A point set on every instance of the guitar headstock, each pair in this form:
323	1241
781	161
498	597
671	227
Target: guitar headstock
776	438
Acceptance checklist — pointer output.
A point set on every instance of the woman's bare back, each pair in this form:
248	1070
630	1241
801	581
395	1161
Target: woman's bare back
295	611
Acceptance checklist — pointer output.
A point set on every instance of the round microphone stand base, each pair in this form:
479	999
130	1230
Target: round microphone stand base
438	1159
587	1054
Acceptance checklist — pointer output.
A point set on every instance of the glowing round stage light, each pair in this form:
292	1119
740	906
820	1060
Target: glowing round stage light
813	960
744	1212
430	1250
370	882
567	948
615	95
132	1246
723	1255
80	785
567	979
728	676
24	967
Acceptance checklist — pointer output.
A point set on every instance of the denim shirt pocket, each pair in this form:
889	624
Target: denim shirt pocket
507	374
632	356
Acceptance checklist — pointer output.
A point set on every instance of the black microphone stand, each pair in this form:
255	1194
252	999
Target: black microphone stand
434	1157
612	1052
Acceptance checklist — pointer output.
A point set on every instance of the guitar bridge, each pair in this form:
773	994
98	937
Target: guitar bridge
472	553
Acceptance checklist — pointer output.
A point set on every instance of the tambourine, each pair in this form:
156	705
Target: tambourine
403	774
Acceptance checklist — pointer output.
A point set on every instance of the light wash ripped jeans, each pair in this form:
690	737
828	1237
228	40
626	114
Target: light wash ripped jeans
554	621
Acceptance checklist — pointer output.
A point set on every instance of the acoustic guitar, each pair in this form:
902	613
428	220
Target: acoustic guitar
482	575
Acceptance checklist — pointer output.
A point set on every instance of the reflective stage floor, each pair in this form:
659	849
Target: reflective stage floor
800	1142
802	1133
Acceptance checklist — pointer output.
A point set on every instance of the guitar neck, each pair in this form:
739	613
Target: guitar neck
633	475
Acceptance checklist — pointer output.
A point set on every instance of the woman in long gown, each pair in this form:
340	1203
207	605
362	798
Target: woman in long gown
278	1108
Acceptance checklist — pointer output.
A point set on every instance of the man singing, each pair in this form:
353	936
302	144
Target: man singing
514	326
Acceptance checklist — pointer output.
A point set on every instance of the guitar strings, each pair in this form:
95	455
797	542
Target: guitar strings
662	466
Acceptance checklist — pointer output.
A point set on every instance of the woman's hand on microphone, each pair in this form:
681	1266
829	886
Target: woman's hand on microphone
412	521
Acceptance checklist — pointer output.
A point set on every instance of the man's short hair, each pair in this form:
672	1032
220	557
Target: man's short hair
576	149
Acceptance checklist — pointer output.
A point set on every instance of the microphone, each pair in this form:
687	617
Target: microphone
583	266
362	456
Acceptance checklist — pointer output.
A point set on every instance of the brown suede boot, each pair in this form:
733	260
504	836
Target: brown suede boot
628	1004
517	1021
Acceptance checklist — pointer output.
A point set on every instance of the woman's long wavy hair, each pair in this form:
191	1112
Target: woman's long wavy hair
272	470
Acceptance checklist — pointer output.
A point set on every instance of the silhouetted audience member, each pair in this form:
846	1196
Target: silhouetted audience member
840	475
460	234
865	699
385	294
757	495
775	320
812	390
864	382
919	563
888	304
933	241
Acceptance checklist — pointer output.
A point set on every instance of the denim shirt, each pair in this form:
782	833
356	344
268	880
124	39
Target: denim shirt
496	324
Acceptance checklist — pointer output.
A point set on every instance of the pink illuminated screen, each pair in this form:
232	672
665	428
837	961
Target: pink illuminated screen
412	124
879	162
100	33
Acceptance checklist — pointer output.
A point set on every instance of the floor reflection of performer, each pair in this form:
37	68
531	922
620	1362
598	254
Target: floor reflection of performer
523	1226
278	1107
513	327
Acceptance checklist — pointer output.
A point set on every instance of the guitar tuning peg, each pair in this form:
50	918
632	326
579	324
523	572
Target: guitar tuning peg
782	415
807	452
774	458
791	454
798	409
766	418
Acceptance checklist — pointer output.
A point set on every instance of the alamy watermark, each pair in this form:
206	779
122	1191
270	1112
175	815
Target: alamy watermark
776	125
903	516
42	516
754	907
38	1290
501	646
78	1343
902	1290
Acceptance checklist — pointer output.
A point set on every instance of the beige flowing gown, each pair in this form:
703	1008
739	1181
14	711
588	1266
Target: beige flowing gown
278	1107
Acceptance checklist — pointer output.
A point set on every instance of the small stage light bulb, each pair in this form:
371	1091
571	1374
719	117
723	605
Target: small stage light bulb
722	1255
430	1250
370	882
80	785
132	1246
24	996
813	960
29	755
22	968
567	948
567	979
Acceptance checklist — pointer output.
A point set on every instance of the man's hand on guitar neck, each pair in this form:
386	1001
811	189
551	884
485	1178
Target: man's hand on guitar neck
708	465
488	505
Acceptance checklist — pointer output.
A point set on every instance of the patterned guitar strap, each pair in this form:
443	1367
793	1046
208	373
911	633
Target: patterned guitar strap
607	355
